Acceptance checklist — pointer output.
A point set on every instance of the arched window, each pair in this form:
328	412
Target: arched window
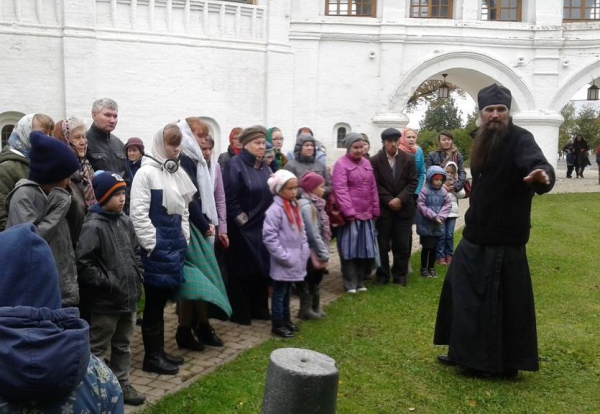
365	8
501	10
574	10
341	134
432	9
6	131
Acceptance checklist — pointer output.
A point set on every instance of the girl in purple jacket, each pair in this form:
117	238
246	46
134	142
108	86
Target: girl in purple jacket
285	239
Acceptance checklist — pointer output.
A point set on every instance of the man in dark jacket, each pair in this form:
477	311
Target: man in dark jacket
396	175
486	313
105	151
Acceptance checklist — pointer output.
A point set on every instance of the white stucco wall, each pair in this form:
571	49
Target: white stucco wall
283	63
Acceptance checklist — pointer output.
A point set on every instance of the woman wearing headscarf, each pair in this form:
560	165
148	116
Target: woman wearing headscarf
355	190
203	283
160	197
14	158
233	149
275	137
582	159
248	197
408	144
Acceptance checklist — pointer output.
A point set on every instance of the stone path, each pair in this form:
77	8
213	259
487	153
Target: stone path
238	338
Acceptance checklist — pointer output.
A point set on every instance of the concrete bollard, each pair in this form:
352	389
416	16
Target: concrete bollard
300	381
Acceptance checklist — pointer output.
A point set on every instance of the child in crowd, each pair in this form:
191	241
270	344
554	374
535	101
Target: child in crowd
44	199
285	239
318	232
110	278
433	206
445	247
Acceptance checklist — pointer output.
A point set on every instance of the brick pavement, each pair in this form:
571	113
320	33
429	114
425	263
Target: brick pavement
238	338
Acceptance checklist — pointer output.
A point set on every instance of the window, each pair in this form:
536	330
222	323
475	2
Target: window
581	10
6	131
501	10
365	8
432	9
341	134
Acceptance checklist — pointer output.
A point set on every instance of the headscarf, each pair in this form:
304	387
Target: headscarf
19	138
235	131
205	181
404	144
62	131
178	189
279	157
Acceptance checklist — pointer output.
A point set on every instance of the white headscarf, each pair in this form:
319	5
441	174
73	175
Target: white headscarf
205	180
178	189
19	138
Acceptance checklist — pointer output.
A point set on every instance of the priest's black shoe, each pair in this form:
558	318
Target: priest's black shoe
443	359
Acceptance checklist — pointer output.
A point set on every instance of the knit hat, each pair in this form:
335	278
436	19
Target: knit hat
137	142
310	180
106	184
494	95
390	134
438	177
278	180
50	160
252	133
351	138
270	151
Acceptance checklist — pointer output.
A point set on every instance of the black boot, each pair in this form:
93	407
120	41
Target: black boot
153	357
206	334
279	329
306	311
185	339
316	300
288	322
172	359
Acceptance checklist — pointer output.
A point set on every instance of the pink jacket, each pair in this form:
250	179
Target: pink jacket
355	188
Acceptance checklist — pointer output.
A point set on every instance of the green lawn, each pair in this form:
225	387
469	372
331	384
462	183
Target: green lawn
382	340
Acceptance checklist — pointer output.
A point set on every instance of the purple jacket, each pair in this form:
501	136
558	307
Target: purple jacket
355	188
287	246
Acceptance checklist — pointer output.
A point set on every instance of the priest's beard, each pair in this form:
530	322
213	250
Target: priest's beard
487	142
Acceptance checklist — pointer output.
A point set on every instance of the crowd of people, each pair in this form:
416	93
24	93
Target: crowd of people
219	236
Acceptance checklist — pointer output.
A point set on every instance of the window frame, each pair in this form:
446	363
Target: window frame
340	141
499	9
338	3
430	7
582	8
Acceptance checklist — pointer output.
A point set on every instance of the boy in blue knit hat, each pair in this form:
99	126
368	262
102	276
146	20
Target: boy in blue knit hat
44	199
110	277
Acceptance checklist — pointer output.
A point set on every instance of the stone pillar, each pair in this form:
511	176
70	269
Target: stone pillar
544	127
300	381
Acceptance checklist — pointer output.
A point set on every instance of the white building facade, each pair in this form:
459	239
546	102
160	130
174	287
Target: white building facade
333	65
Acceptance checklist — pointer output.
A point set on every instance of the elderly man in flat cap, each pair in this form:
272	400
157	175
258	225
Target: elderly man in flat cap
486	313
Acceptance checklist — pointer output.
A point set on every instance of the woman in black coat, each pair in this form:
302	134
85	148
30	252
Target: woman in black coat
582	159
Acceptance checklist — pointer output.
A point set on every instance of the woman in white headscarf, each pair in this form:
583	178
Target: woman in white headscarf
159	211
203	283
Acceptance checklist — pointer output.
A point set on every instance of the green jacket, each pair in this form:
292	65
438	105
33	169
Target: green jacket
13	167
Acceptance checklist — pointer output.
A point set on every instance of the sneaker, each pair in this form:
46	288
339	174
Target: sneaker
361	289
442	261
432	273
351	291
425	272
131	396
448	259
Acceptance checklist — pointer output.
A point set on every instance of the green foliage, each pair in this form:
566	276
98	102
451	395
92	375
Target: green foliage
442	115
585	123
567	128
382	340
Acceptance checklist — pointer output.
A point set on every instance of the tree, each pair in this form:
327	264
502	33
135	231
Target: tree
569	125
588	125
442	115
427	94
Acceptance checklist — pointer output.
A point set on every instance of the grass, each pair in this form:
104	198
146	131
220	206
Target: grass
382	340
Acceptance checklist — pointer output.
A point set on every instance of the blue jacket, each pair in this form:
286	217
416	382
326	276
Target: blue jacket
44	349
431	205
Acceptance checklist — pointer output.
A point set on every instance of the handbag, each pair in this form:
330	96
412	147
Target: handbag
467	188
334	212
317	263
